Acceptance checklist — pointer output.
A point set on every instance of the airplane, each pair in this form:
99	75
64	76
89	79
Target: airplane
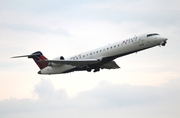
100	58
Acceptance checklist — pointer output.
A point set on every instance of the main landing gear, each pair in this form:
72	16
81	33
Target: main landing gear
95	70
89	70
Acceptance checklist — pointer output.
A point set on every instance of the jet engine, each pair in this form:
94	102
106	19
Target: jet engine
55	64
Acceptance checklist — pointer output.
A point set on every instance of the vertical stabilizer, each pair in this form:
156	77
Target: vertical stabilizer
37	56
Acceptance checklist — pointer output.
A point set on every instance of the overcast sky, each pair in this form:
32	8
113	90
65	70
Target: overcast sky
147	84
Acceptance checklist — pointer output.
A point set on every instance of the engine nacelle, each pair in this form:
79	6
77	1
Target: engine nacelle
56	64
61	58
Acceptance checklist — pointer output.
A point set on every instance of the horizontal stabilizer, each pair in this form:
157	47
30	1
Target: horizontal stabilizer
36	56
20	56
32	55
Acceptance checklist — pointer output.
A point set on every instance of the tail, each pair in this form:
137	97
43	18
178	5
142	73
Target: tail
37	57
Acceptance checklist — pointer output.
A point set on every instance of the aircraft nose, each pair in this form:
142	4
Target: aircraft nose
164	38
39	72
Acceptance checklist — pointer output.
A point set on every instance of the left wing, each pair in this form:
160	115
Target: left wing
79	63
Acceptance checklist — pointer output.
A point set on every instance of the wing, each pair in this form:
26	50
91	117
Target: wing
110	65
79	63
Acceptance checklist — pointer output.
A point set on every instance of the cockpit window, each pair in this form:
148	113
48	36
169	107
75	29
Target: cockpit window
152	34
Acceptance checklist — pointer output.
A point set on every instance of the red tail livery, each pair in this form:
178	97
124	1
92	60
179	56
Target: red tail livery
37	57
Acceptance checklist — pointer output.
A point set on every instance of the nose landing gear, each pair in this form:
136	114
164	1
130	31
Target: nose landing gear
163	43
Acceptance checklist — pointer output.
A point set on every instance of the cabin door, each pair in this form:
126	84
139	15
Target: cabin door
141	41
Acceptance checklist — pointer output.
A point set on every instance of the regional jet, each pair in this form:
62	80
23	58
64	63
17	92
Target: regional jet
100	58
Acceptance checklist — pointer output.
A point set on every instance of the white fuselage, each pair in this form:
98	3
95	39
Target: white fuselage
118	49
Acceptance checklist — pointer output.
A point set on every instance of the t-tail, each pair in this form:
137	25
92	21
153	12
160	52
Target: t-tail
37	57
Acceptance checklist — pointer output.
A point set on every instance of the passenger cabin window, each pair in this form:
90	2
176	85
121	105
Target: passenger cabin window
152	34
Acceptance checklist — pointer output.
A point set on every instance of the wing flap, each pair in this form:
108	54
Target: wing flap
110	65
